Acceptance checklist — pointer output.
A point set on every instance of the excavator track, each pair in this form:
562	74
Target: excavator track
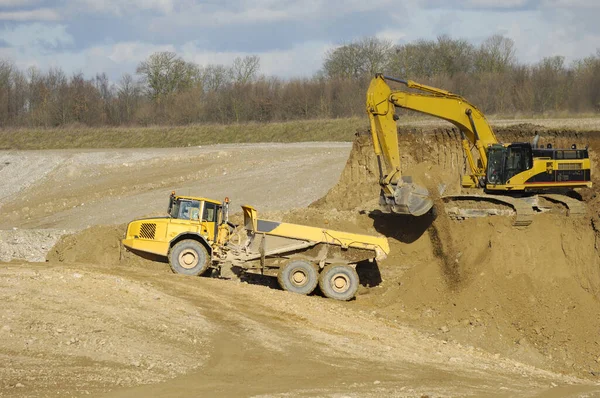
575	208
522	211
522	208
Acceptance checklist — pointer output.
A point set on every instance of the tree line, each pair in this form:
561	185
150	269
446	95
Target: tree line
166	89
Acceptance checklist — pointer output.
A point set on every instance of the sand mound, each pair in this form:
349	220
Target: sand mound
530	293
99	245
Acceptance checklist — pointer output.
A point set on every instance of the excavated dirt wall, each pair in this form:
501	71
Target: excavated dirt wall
431	158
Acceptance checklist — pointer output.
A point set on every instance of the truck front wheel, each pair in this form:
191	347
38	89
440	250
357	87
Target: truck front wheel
298	276
338	282
189	257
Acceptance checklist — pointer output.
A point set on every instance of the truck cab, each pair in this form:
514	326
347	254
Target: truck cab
205	213
187	215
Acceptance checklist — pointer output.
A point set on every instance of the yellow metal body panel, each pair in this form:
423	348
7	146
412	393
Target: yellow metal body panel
147	245
250	217
154	235
384	131
166	229
379	245
330	236
543	165
200	199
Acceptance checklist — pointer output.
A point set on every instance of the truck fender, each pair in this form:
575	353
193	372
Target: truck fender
191	235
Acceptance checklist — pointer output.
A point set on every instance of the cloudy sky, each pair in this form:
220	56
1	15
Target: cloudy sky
291	37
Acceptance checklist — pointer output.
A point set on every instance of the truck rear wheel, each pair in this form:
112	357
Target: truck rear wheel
339	282
189	257
298	276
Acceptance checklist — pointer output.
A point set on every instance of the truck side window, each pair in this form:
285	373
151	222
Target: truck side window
210	212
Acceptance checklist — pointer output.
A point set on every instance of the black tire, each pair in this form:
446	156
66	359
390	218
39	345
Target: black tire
298	276
189	257
339	282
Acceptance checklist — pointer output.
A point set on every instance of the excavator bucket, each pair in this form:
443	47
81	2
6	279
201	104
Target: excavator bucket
409	198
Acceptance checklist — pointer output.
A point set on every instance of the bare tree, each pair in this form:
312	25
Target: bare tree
453	56
549	78
496	54
428	58
414	60
245	70
6	90
358	59
165	73
215	77
128	95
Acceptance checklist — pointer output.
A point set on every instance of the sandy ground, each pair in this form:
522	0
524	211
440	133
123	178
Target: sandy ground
119	328
95	321
50	193
74	189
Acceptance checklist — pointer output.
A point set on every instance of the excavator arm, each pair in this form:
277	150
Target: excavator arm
398	194
381	104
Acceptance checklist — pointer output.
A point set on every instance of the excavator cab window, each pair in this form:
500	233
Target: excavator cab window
496	162
506	162
518	159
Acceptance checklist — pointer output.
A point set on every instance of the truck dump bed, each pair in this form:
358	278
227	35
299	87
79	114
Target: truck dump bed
309	236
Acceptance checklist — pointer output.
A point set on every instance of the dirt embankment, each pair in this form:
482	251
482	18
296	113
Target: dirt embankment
529	293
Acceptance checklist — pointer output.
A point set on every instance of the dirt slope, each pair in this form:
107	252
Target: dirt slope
528	293
78	329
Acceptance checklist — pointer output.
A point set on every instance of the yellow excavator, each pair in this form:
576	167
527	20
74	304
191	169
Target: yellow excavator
516	169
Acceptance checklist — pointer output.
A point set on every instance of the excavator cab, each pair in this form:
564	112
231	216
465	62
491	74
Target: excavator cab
504	162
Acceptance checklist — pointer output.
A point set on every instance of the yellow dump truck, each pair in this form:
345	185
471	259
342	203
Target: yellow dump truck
196	235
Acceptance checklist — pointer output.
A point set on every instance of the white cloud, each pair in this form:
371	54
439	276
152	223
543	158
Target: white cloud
571	3
507	4
17	3
393	35
218	14
545	28
132	52
300	61
120	8
40	14
36	36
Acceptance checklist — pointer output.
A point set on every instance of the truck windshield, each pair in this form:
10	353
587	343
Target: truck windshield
185	209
